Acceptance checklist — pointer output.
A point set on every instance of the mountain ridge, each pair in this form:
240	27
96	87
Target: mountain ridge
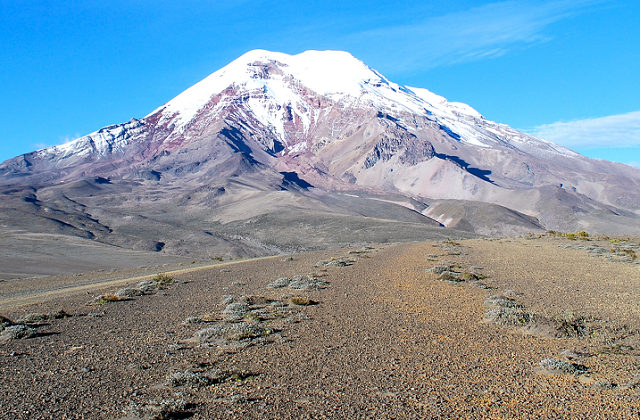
326	131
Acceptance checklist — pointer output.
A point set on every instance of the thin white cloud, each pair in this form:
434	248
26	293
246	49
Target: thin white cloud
483	32
612	131
69	138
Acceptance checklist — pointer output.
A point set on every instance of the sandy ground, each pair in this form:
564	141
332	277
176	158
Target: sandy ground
382	338
24	255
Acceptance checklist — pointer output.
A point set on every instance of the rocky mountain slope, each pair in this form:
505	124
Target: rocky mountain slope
286	137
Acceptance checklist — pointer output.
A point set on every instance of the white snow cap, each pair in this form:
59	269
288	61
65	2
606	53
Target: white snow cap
339	76
330	73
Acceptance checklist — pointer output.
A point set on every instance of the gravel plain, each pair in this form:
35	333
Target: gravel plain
354	333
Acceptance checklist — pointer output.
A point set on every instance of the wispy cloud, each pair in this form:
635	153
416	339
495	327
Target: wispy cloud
480	33
612	131
68	138
38	146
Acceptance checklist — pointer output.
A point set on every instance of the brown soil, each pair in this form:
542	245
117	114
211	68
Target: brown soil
383	339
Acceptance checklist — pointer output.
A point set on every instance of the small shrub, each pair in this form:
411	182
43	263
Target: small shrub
553	365
17	332
39	317
582	234
514	317
570	236
572	324
236	332
252	317
280	283
192	320
128	292
336	262
146	287
628	252
466	276
450	276
506	311
241	376
166	409
190	379
109	297
438	269
502	302
162	280
301	301
235	311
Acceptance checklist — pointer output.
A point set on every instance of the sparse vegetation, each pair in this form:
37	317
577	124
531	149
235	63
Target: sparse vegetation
556	366
17	332
233	332
301	301
568	235
572	324
506	311
146	287
252	317
628	252
42	317
128	293
235	311
279	283
187	379
454	272
299	281
162	280
165	409
336	262
109	297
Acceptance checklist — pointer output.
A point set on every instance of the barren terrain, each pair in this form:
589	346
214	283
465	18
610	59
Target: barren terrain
537	327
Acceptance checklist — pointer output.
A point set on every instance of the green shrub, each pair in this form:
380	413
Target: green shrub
162	280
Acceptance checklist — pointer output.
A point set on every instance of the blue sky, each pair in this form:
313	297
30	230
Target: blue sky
568	71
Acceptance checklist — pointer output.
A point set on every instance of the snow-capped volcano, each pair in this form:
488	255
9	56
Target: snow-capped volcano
329	121
290	95
278	88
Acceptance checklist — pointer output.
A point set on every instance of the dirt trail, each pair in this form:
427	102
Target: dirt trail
35	296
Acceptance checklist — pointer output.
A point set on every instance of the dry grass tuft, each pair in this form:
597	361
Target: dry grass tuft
301	301
109	297
162	280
